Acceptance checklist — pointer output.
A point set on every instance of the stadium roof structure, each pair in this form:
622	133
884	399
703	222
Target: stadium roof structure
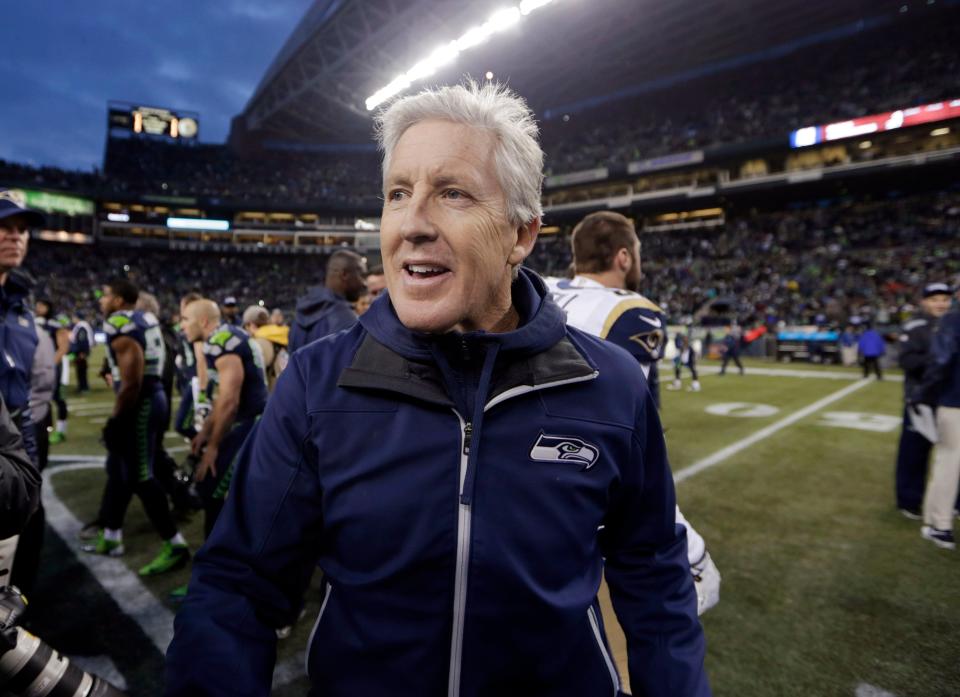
570	55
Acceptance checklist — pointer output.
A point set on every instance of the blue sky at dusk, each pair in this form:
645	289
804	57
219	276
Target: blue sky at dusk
63	60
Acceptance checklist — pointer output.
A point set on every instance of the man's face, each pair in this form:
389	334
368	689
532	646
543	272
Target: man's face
109	303
230	311
632	280
14	236
191	325
354	281
936	305
376	282
42	309
446	240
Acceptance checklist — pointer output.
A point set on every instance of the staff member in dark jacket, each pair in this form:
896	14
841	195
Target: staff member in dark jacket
499	473
326	309
913	452
19	480
18	333
941	386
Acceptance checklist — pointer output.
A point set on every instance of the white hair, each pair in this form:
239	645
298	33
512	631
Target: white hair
489	106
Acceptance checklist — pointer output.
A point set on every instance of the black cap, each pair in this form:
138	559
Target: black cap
936	289
13	202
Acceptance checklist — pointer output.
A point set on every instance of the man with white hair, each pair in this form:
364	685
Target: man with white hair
463	530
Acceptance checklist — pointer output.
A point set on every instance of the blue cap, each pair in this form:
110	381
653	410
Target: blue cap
13	202
936	289
229	300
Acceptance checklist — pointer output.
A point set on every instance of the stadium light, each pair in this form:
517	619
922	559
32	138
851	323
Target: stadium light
500	20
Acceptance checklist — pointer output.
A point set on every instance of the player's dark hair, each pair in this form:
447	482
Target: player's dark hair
124	289
597	239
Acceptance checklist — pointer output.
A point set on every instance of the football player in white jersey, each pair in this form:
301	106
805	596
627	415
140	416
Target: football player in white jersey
602	299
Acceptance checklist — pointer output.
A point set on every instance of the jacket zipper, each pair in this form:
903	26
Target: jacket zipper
595	626
464	520
464	514
313	632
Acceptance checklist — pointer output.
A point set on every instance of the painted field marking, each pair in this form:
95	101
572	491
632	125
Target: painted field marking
121	583
724	453
865	690
790	373
742	409
125	587
861	421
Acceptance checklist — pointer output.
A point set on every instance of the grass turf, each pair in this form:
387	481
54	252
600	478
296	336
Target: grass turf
825	585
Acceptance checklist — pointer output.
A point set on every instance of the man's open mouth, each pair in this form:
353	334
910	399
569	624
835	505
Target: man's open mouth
421	271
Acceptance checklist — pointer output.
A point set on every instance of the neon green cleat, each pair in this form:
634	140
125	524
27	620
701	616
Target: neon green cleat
171	557
109	548
57	437
178	594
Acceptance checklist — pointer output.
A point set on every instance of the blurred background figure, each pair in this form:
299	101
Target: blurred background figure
327	309
913	450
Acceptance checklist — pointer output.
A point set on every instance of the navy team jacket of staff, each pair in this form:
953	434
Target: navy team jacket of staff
18	333
451	487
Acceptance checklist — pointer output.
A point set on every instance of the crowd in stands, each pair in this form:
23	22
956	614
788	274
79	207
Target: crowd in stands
884	69
72	275
904	63
819	265
815	265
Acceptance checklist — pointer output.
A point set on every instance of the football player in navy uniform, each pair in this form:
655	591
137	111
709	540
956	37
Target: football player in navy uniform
685	356
602	299
136	354
913	452
235	365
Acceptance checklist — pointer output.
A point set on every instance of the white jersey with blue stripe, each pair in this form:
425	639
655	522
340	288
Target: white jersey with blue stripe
623	317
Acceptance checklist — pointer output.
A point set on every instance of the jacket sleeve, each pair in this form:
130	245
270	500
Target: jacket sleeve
250	576
944	350
19	478
914	346
649	575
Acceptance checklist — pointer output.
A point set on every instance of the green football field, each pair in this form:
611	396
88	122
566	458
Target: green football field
787	472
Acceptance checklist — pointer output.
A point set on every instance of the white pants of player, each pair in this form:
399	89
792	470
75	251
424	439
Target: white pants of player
941	494
848	355
8	548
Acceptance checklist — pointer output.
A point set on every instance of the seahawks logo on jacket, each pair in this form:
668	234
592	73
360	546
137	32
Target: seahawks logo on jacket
565	449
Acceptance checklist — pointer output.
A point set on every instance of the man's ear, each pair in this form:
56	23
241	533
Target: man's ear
624	259
526	238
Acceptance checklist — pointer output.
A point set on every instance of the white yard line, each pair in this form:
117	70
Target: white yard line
725	453
121	583
133	598
865	690
733	373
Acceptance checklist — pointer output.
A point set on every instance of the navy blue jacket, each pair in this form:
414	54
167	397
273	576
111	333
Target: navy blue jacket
319	312
941	379
732	344
463	495
871	344
18	342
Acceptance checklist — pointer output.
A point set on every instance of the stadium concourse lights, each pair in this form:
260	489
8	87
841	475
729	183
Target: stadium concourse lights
205	224
447	53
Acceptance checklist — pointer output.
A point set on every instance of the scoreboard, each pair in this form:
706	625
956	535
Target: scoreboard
153	121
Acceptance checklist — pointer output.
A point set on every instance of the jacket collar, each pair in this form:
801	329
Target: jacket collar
537	353
542	324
